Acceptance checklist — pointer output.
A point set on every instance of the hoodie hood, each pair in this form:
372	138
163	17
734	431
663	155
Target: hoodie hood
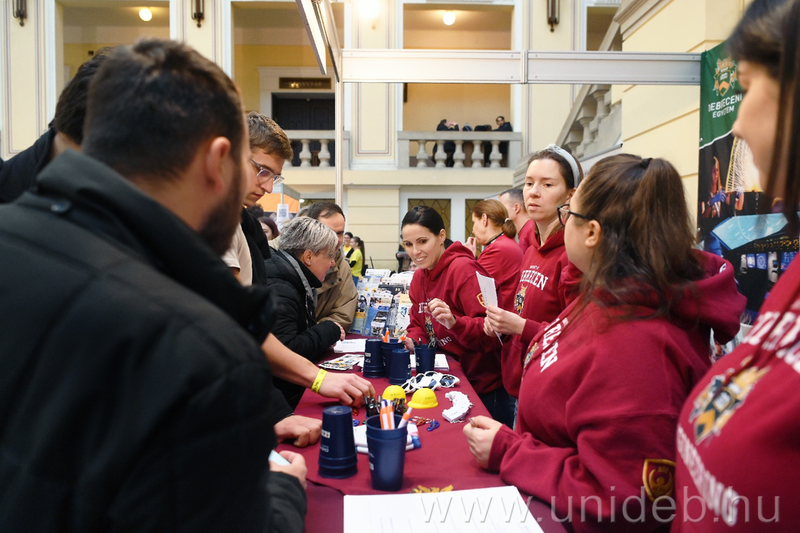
553	241
717	303
713	301
453	252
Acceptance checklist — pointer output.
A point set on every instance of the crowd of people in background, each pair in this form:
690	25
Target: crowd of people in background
450	146
159	329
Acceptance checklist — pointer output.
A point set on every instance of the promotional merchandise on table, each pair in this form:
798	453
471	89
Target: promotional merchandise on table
436	459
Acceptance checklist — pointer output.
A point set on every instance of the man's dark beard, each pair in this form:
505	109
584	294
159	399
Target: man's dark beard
221	224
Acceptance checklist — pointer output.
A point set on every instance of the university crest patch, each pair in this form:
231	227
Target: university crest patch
481	300
715	404
519	299
658	477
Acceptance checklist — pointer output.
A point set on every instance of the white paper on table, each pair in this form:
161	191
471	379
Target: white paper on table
350	346
489	294
491	510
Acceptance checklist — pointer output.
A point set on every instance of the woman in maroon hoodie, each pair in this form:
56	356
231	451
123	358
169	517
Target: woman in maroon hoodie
739	431
501	255
603	384
544	278
448	309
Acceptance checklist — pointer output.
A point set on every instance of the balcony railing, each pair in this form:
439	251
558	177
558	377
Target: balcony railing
471	149
481	149
315	148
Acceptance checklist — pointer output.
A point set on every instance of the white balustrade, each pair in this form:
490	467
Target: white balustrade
422	155
324	154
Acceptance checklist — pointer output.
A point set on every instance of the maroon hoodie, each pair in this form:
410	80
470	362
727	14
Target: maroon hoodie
600	398
537	300
453	281
739	431
501	258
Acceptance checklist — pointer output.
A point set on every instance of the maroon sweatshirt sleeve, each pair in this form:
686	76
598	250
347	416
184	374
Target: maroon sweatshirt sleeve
468	329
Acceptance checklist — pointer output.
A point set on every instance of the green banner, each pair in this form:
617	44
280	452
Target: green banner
719	94
729	192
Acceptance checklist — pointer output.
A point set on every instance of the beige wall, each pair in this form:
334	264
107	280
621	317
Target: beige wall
428	103
457	40
248	57
546	106
372	214
76	54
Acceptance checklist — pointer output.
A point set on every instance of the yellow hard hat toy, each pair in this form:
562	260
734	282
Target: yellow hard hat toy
394	392
423	399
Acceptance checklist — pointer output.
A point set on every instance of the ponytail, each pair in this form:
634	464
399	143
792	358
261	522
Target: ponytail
509	229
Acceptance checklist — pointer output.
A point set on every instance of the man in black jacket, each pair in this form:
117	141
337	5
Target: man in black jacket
18	174
133	392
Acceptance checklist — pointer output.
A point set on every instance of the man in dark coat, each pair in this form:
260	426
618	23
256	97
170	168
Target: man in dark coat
18	174
133	392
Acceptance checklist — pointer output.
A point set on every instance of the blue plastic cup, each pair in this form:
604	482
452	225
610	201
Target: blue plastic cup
337	448
373	359
425	358
386	348
387	454
400	369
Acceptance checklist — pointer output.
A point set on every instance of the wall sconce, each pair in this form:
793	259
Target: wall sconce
21	11
145	14
553	12
197	11
449	18
370	10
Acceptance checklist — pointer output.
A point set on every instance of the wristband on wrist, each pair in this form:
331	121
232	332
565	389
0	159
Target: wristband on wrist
318	380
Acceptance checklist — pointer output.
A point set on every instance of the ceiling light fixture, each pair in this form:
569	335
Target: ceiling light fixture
145	14
449	18
370	11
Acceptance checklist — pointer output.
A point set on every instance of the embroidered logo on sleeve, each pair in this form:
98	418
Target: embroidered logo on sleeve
481	300
658	477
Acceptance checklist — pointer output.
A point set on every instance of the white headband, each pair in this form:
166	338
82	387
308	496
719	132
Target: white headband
573	163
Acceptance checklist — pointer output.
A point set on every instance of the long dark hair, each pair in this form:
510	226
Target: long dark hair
767	36
647	236
361	247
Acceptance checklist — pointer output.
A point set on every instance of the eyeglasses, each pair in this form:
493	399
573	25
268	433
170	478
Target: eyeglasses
263	175
564	213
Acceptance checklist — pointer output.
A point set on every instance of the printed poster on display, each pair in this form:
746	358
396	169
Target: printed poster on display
730	196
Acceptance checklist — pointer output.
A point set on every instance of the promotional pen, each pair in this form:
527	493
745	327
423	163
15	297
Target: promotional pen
406	416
